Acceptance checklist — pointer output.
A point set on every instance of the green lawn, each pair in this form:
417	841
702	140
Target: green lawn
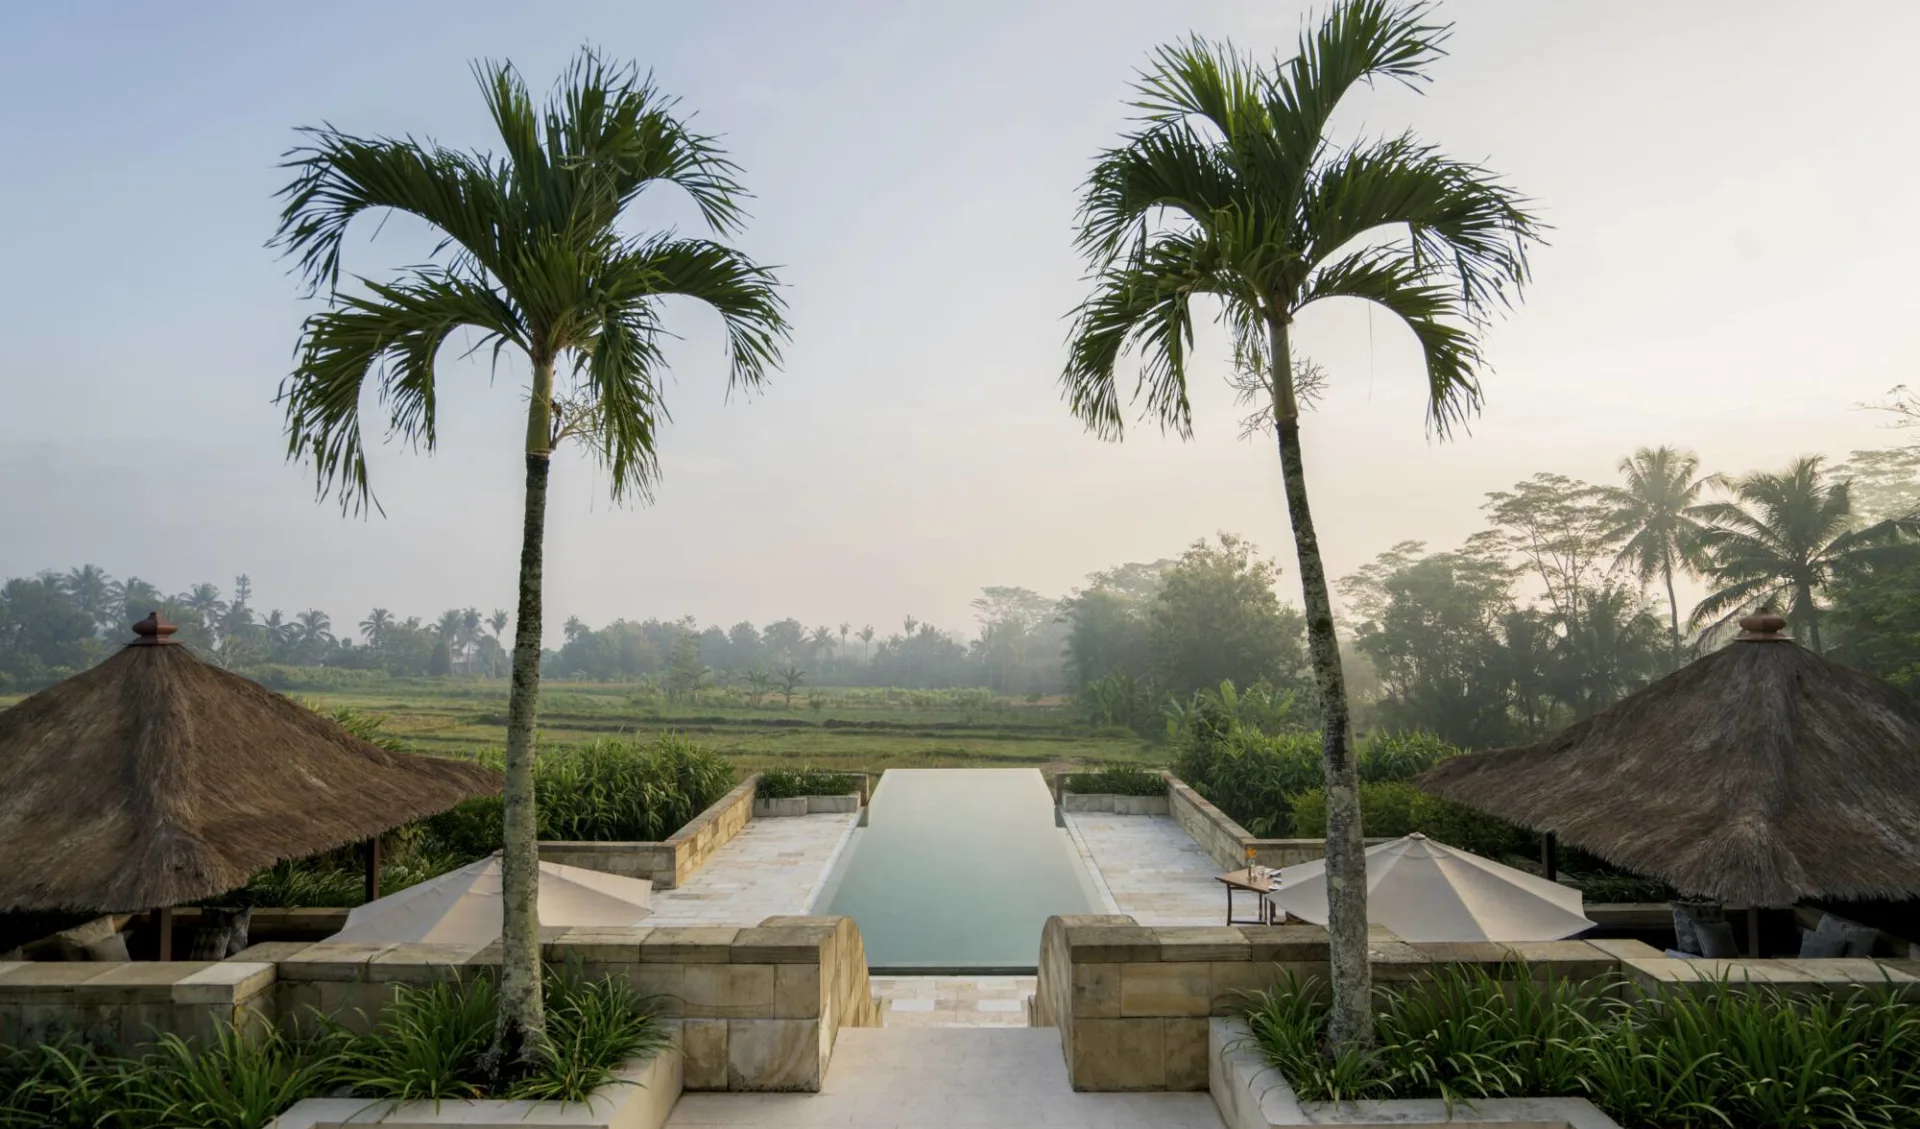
856	731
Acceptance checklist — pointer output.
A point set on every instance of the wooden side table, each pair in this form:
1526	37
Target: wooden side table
1260	888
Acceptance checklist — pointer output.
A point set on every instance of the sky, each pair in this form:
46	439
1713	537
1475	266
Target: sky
1729	269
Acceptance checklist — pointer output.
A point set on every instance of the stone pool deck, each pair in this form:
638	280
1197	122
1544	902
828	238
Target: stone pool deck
887	1078
1153	870
772	867
955	1001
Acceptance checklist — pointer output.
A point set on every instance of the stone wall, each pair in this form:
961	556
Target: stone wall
667	863
1131	1003
1227	841
806	805
125	1006
1113	805
758	1008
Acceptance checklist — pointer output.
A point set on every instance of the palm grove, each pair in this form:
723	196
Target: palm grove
1228	188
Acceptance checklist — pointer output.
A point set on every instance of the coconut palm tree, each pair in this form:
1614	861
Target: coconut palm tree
866	641
133	598
531	260
91	590
374	628
1231	188
1657	515
497	623
311	633
1779	541
204	600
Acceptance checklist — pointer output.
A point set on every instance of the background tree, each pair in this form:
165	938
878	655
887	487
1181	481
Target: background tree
375	626
791	679
866	640
1218	619
532	260
1656	519
91	590
1231	188
1779	541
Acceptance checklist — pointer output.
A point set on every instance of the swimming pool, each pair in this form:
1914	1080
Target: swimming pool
957	869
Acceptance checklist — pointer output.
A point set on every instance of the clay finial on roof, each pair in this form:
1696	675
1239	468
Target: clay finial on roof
153	631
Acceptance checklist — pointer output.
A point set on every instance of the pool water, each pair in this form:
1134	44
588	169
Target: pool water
957	869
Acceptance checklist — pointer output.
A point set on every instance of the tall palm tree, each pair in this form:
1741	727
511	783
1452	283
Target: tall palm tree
374	627
312	633
469	634
531	260
1778	543
91	590
1658	516
1231	188
497	623
205	600
866	640
133	598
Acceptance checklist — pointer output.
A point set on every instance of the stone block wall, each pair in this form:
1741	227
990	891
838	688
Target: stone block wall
1114	805
667	863
126	1006
757	1008
1132	1003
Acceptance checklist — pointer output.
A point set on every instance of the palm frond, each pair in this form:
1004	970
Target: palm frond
1392	279
394	337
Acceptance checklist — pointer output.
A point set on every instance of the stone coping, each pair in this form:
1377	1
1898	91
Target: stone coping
641	1096
1250	1094
806	805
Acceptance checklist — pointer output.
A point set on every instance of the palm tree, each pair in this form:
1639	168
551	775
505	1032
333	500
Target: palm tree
866	641
497	623
820	640
469	634
532	260
374	627
133	598
91	590
1779	542
311	633
1231	188
205	600
1658	515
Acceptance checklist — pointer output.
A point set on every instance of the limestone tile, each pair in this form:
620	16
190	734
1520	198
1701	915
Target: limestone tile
781	944
796	991
728	990
1564	960
422	963
1111	944
229	982
355	1004
704	1042
1118	1054
1285	942
664	982
272	951
1488	954
1398	962
1185	1048
1230	982
603	945
1203	943
136	982
1096	990
774	1054
35	982
689	944
1181	989
1622	949
331	960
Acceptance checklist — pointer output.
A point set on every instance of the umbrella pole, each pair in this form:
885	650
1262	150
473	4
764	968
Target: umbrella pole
164	915
371	850
1550	856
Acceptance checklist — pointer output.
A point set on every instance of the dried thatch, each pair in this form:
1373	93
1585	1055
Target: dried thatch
1762	774
155	779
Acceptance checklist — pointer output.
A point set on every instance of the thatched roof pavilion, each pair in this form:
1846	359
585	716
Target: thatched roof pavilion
156	779
1759	775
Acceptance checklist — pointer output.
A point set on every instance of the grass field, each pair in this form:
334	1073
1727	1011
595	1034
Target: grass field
855	731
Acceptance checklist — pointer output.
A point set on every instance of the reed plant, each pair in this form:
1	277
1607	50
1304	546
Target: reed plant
785	783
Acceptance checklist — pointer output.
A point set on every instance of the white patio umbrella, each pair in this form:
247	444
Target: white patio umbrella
1428	891
464	905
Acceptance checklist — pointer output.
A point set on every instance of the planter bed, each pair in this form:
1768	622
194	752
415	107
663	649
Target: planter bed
805	805
1251	1094
641	1098
670	862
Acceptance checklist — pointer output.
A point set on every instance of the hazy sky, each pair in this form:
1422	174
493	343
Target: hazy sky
1729	184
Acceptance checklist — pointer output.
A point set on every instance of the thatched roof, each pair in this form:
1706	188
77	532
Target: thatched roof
155	779
1761	774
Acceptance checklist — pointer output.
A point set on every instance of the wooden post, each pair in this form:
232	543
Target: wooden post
1550	855
371	851
164	915
1753	932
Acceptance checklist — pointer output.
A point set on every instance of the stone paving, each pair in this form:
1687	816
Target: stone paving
887	1078
955	1001
774	866
1153	869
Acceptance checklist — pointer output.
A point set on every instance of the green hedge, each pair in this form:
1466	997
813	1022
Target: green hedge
1392	808
1122	780
786	783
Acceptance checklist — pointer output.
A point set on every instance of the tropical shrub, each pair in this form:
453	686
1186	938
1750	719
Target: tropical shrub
1741	1057
784	783
1120	780
1392	808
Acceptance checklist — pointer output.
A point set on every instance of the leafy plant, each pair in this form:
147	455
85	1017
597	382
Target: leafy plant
593	1026
1393	808
784	783
1120	780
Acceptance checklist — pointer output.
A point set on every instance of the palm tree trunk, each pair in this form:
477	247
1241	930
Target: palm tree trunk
522	1027
1812	614
1673	608
1351	1023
